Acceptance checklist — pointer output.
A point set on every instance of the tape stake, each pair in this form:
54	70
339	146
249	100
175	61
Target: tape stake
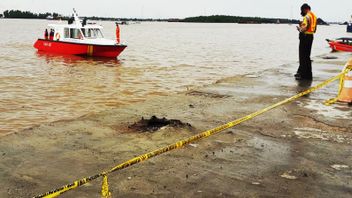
105	193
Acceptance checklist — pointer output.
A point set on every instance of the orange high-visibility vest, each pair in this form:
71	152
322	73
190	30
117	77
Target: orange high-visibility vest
312	28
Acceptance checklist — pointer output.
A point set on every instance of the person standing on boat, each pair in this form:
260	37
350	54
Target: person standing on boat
51	37
306	30
46	34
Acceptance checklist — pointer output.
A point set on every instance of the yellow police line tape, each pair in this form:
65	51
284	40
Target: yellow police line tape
105	188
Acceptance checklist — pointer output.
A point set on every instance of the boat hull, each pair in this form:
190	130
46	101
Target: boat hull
80	49
337	46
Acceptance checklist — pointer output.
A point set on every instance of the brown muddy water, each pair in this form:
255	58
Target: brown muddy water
161	58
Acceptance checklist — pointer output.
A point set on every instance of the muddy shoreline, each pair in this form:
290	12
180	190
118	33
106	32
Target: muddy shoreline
302	149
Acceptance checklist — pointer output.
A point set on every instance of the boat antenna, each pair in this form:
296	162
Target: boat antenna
75	16
75	12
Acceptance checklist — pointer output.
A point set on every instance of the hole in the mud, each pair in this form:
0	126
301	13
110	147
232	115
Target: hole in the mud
155	123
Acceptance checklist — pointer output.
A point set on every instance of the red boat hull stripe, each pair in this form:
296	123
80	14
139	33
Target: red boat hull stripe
111	51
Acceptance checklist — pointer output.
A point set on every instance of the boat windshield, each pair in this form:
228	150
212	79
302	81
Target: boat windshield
92	33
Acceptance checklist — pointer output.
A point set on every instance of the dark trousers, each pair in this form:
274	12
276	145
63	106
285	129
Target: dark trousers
305	49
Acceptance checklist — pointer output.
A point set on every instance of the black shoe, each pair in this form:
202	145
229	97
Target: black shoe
308	78
304	78
297	75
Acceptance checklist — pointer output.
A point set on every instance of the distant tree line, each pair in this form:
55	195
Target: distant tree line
236	19
121	19
239	19
199	19
28	15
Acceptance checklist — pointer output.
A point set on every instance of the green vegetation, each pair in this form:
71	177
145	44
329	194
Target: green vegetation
235	19
239	19
28	15
120	19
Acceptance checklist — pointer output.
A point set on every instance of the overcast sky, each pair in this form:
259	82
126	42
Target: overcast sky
330	10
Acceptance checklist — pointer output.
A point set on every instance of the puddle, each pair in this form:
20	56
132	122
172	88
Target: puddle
270	150
252	76
339	166
334	111
266	150
311	133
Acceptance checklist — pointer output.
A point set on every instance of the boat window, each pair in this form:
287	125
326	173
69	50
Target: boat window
67	33
92	33
75	33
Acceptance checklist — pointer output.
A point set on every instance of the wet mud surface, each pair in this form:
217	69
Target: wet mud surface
302	149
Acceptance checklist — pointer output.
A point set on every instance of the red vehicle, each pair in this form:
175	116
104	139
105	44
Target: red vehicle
341	44
79	38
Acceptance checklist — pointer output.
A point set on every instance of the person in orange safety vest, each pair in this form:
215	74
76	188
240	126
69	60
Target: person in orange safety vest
306	30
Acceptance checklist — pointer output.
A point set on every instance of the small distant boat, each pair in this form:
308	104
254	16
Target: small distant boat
122	23
79	38
349	26
341	44
50	17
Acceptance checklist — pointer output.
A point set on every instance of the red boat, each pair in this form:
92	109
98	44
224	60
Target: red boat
79	38
341	44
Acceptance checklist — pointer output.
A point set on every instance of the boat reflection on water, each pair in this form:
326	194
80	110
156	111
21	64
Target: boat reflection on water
72	60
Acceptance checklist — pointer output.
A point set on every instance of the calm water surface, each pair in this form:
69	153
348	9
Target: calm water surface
161	58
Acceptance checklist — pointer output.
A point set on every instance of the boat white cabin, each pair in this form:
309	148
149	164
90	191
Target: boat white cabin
79	32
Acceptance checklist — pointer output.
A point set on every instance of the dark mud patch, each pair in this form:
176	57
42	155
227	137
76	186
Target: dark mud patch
329	57
154	123
206	94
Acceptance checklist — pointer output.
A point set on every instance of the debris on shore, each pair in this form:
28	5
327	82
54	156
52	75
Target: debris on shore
207	94
329	57
154	123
